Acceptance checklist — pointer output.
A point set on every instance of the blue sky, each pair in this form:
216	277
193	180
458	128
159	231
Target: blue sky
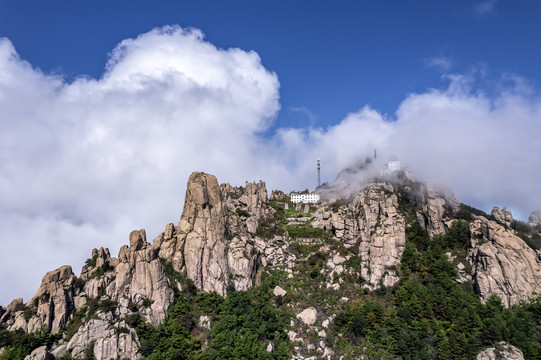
331	57
108	106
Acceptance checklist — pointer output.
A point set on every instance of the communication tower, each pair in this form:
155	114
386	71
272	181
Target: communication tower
318	172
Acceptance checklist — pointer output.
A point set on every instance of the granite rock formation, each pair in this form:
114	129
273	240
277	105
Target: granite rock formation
503	216
535	218
501	350
502	263
213	244
372	223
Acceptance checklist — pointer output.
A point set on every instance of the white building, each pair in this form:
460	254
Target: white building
393	165
304	198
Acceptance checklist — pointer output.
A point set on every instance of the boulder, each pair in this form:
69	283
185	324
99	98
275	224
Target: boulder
41	353
205	322
308	316
501	350
278	291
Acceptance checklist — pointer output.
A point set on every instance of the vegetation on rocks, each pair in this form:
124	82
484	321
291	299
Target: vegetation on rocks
18	344
244	324
428	315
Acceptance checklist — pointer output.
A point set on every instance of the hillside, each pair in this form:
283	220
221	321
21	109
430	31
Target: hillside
389	269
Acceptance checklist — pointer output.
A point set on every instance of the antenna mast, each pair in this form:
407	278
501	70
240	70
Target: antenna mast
318	173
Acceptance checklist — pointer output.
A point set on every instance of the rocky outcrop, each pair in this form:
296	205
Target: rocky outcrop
140	278
278	195
432	207
274	252
213	244
308	316
100	260
535	218
502	263
53	302
501	350
218	244
382	235
242	262
170	246
41	353
503	216
106	339
203	234
371	222
9	311
245	206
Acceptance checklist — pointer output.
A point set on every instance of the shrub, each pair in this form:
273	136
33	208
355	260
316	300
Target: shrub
92	261
520	227
242	213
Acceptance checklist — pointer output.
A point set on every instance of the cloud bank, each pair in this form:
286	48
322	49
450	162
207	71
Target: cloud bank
83	163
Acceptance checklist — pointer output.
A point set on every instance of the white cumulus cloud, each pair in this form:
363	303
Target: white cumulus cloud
84	162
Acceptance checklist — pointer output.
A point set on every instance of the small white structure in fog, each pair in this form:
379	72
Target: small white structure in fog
304	198
392	166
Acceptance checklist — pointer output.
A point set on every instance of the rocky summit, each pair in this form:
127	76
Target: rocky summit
392	268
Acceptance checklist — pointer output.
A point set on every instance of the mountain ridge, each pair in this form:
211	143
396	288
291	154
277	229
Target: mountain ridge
229	239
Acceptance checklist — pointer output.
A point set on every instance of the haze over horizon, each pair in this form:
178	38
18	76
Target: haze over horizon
88	156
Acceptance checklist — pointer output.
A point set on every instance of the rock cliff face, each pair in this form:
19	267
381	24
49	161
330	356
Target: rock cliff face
372	223
54	300
51	307
136	277
212	244
140	277
104	339
432	207
502	263
382	235
203	234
